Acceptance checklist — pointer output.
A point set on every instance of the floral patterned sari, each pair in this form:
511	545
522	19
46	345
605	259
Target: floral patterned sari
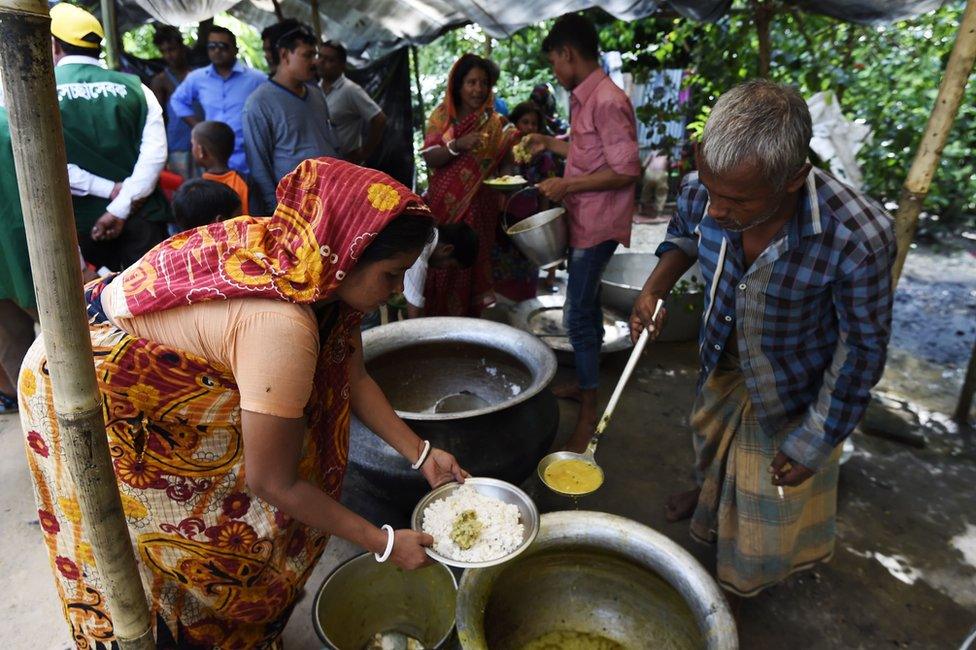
456	194
221	567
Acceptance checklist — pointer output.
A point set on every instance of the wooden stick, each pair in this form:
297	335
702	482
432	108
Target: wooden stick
316	20
277	9
40	162
929	151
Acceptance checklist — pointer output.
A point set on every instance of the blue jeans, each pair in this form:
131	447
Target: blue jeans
583	315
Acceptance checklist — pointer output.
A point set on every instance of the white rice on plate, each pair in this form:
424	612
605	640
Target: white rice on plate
501	532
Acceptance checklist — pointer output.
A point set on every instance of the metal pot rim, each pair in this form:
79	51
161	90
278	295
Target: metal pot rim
318	597
631	287
465	330
681	570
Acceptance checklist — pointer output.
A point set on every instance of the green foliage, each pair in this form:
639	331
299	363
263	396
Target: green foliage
886	77
139	41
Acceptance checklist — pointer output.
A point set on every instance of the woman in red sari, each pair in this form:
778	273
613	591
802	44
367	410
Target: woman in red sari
229	362
465	145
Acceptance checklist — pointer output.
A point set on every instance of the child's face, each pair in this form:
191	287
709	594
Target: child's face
528	123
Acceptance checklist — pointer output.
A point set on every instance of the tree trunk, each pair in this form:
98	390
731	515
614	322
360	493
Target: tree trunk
420	94
937	130
39	157
763	15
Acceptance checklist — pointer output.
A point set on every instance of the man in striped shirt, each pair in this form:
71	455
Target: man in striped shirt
797	267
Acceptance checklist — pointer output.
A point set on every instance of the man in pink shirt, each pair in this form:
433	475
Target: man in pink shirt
597	189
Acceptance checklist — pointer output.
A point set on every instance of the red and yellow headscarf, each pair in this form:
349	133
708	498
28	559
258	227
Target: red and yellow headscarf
328	212
453	186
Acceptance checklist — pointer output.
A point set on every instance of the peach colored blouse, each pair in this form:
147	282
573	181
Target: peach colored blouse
271	347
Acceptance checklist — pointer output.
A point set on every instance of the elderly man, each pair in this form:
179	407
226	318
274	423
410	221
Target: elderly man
797	318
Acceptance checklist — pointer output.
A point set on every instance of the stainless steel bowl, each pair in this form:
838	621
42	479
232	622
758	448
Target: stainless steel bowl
363	597
490	487
543	237
543	316
599	574
624	278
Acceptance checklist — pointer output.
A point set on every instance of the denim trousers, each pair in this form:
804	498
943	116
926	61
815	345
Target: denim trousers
583	316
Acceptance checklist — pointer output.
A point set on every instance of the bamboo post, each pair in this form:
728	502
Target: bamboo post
316	20
965	404
39	157
937	130
111	27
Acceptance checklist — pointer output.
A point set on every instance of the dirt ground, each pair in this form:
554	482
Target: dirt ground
904	570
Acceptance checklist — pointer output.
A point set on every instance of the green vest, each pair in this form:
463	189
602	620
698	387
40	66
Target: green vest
15	275
103	113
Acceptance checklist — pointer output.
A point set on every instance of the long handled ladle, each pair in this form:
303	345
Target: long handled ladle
589	456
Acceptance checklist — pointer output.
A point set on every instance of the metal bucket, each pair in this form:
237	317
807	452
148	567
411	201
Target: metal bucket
362	598
599	575
543	237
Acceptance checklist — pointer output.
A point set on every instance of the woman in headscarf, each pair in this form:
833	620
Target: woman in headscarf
466	143
229	361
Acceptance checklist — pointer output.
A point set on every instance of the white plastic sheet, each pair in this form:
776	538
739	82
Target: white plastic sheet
184	12
836	139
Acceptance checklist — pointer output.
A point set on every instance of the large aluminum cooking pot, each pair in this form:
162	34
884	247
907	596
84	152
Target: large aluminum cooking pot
476	388
543	237
624	278
596	574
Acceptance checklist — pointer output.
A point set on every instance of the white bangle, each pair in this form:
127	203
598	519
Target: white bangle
423	455
389	544
450	149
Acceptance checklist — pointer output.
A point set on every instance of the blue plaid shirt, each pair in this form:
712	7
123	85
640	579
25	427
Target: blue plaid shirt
812	315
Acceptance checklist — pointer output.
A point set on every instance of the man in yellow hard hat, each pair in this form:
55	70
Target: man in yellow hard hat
116	144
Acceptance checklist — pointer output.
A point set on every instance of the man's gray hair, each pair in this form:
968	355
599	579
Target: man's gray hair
759	122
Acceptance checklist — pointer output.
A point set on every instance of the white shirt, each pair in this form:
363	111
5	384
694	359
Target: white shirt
145	174
416	276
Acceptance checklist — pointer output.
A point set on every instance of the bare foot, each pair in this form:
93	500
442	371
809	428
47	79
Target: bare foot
681	505
581	436
568	391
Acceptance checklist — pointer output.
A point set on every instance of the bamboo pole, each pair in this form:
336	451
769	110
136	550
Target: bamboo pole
316	20
39	157
965	404
937	130
111	27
